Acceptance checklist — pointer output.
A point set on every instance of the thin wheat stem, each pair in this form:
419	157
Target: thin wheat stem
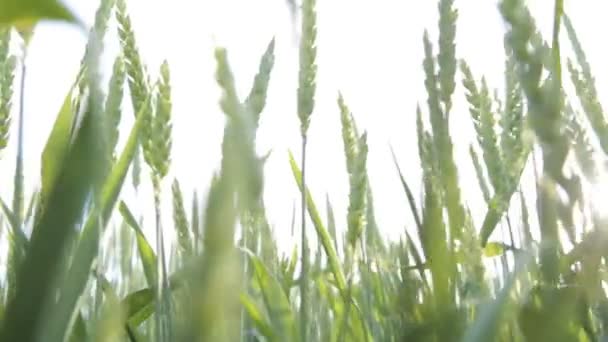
163	305
19	178
304	276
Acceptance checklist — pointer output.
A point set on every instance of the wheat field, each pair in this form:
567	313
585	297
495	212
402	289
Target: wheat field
81	266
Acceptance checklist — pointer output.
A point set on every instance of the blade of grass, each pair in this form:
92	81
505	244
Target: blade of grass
486	327
77	175
87	248
276	302
322	233
146	253
256	316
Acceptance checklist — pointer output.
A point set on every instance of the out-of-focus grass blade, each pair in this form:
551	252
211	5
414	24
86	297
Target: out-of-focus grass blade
31	208
195	225
108	326
555	314
276	302
76	174
417	257
331	222
87	248
146	253
493	249
24	14
322	233
287	269
557	64
12	220
487	324
412	203
17	247
139	306
408	192
79	332
493	216
256	317
58	145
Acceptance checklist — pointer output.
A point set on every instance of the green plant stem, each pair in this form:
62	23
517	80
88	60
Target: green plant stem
162	299
349	291
19	178
304	276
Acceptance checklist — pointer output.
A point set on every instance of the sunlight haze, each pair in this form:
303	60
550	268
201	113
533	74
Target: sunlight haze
369	50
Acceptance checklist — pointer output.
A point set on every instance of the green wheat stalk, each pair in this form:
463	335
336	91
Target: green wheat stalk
156	143
306	103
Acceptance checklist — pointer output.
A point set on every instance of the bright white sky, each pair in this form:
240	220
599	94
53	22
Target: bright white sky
370	50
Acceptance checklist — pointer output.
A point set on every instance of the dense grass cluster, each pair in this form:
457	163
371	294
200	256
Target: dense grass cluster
529	272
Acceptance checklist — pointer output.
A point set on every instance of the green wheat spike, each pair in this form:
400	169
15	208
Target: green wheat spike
483	119
256	100
308	68
357	208
585	90
512	118
349	135
162	127
579	52
113	105
7	76
443	143
447	52
438	122
180	221
136	71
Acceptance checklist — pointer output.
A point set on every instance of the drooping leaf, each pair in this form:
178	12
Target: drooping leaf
146	253
139	305
23	14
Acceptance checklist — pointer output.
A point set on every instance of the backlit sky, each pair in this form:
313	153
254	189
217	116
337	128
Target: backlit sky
370	50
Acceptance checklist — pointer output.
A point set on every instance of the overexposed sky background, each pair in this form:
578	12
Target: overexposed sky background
370	50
